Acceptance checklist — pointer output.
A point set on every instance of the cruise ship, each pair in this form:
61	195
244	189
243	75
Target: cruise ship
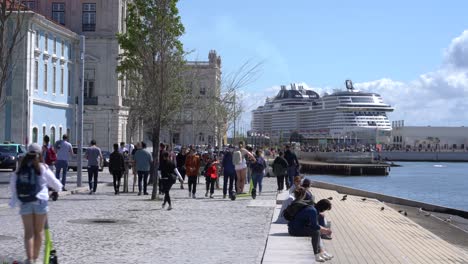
343	116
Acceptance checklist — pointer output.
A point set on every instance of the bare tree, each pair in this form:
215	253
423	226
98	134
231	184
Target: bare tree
11	34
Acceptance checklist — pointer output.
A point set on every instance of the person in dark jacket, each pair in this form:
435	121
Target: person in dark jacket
229	171
293	164
180	162
280	169
305	223
168	170
116	167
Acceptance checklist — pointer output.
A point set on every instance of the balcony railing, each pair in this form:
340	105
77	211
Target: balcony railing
89	27
90	101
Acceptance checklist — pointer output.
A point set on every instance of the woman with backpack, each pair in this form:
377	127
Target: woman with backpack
169	176
29	190
258	172
240	164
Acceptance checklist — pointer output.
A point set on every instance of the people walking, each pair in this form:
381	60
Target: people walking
64	152
49	156
192	169
229	172
180	162
169	175
293	165
240	163
116	167
211	174
143	160
123	148
95	159
28	186
280	169
258	172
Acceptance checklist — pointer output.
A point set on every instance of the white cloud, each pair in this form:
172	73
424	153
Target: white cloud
437	98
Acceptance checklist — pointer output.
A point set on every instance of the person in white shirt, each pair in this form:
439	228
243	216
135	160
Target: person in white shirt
29	189
122	148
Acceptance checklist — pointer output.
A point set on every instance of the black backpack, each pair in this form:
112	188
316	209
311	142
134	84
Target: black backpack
290	212
258	165
27	184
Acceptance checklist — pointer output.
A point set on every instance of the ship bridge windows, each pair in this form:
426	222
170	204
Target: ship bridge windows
370	114
362	99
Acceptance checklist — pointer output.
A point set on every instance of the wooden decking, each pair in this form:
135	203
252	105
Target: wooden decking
363	233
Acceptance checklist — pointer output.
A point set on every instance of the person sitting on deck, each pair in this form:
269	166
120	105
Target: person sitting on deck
304	222
296	183
322	206
309	196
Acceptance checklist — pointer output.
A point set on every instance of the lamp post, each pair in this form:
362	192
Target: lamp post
80	114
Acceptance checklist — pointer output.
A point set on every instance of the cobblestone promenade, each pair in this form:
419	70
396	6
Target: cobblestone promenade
198	230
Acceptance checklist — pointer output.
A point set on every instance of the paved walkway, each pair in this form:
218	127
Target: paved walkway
364	233
198	230
218	230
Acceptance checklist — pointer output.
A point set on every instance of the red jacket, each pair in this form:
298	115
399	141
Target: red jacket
212	171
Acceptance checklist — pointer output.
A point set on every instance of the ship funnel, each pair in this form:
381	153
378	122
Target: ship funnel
349	85
283	87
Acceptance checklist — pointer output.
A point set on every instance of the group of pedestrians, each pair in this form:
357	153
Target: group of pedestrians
30	184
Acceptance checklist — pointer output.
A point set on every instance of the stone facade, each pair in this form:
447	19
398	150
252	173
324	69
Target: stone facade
197	123
99	21
40	94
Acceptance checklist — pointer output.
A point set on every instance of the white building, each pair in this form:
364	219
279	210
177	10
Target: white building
40	95
429	137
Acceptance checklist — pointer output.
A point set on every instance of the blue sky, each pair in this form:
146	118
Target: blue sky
322	43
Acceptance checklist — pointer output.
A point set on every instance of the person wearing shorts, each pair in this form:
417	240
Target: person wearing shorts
33	209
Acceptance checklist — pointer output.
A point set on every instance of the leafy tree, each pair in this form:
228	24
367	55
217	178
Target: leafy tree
152	62
11	34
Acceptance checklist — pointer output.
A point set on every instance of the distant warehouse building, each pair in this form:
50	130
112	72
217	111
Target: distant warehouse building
429	138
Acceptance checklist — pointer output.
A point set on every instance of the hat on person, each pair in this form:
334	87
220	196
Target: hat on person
34	148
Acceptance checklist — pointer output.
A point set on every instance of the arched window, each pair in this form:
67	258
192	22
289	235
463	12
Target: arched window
52	135
60	132
34	135
44	131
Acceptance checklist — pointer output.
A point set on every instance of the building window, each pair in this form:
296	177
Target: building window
61	81
89	17
68	133
54	82
58	12
201	137
31	5
46	44
34	135
36	75
45	78
55	45
44	131
69	84
52	135
89	83
202	90
63	49
37	39
60	132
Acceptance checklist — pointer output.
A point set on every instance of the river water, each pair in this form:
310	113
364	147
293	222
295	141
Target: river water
441	183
